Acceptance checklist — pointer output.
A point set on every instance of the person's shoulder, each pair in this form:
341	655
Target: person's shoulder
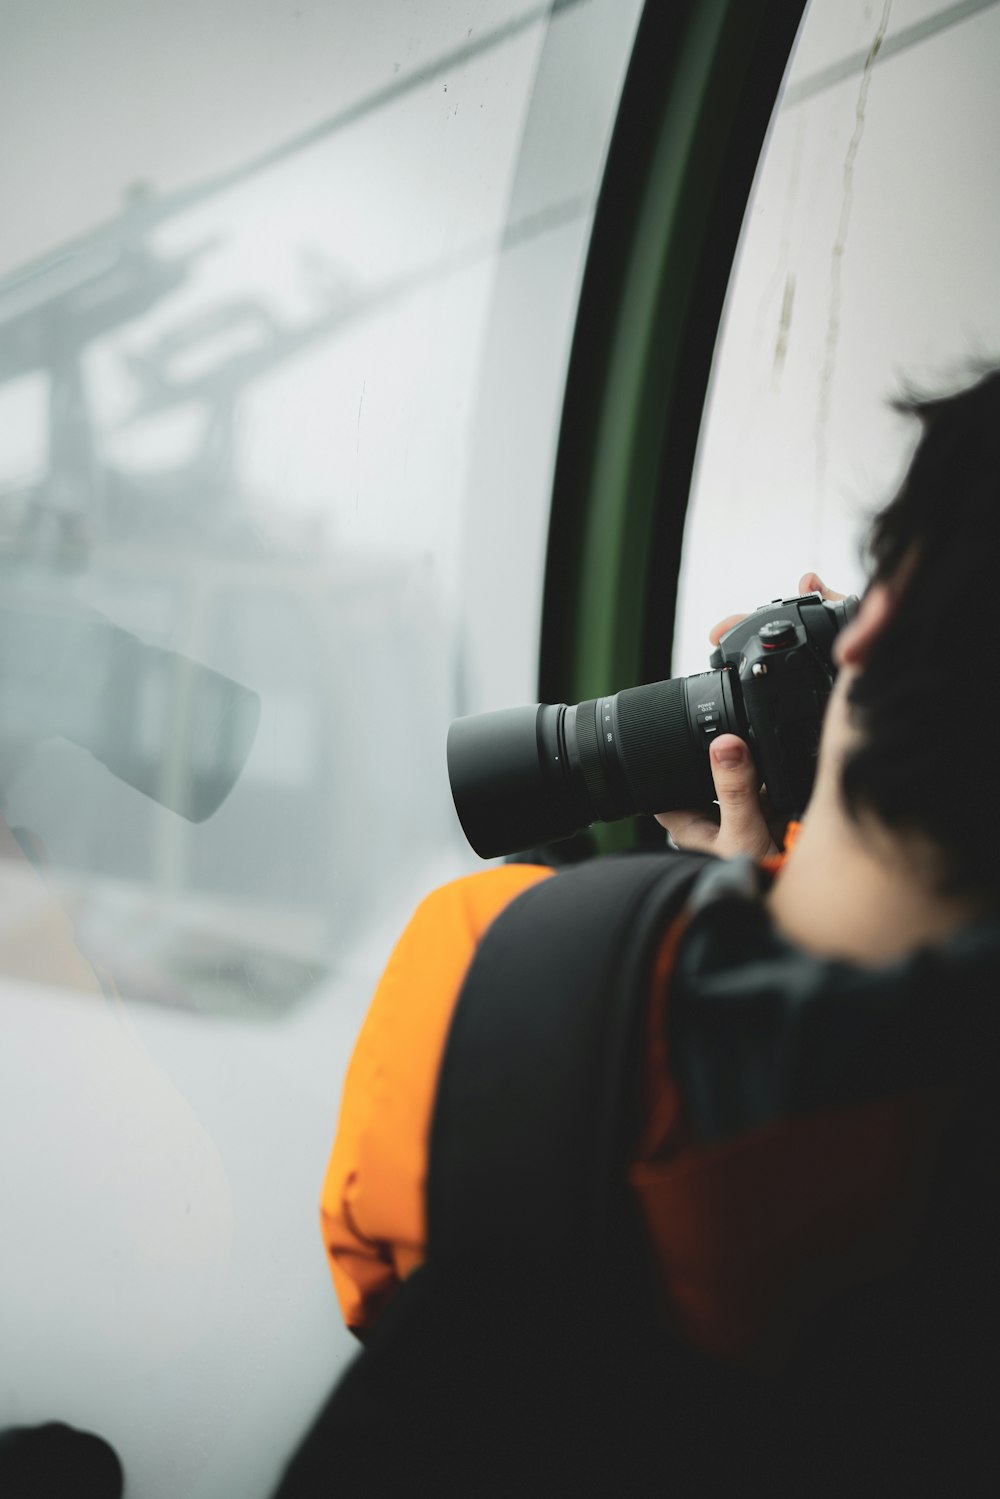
474	900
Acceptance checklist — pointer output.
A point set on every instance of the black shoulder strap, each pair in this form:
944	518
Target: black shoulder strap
538	1096
494	1370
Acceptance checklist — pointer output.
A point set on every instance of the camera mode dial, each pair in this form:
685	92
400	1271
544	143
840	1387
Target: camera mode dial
777	633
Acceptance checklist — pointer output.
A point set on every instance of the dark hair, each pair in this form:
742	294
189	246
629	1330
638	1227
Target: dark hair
929	689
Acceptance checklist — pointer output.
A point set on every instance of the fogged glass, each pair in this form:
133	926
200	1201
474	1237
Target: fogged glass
248	457
866	265
286	297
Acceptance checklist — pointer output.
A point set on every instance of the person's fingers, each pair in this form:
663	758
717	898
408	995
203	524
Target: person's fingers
813	583
743	827
808	583
716	633
695	831
739	823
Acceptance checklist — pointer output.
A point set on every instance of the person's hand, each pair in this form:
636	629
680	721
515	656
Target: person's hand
742	821
808	583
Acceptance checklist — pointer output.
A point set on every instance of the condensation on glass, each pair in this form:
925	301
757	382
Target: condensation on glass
867	265
286	297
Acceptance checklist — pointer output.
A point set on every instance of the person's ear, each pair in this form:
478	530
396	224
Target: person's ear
855	640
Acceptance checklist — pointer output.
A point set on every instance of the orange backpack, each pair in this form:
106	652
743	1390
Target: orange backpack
529	1354
534	1308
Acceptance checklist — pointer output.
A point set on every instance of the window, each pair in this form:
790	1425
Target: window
286	298
866	262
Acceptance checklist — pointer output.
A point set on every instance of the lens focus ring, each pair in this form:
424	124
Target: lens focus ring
662	764
592	763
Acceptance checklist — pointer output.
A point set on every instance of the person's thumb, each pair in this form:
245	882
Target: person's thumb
742	825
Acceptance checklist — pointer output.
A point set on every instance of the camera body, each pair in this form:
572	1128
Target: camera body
522	777
782	658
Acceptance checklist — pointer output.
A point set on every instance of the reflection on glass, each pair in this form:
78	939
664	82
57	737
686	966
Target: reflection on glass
201	569
175	730
248	457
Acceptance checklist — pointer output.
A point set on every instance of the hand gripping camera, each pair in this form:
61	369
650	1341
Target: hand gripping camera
526	776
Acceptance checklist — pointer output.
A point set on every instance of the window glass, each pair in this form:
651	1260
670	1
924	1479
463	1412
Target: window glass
286	297
867	263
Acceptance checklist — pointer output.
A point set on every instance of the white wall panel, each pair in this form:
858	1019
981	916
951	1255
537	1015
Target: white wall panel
867	261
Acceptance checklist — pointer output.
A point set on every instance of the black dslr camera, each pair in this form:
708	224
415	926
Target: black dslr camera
521	777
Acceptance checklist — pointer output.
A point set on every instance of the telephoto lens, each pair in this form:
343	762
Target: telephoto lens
526	776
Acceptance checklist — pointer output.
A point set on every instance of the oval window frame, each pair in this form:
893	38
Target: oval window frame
697	102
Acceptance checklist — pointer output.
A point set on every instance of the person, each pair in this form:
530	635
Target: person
816	1163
